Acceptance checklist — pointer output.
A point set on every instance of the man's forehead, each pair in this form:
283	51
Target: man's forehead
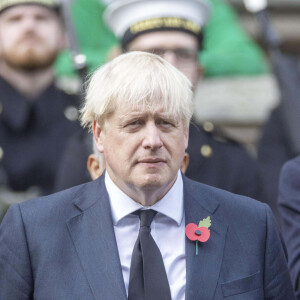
124	112
27	8
163	39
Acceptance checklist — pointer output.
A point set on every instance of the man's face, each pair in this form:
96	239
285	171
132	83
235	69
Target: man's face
143	149
178	48
30	37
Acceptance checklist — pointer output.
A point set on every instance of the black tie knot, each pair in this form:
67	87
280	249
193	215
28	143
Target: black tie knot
146	217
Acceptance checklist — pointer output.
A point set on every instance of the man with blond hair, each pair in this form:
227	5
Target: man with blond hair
142	230
172	29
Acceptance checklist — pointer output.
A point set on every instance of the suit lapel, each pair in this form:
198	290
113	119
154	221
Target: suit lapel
93	236
202	270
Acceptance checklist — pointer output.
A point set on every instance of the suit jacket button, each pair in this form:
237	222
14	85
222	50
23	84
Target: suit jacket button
206	151
1	153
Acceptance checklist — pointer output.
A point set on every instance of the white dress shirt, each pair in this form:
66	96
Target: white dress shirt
167	229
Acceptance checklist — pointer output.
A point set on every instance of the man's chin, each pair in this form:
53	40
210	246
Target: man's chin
154	181
30	61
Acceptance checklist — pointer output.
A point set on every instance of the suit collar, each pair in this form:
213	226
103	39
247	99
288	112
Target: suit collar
171	205
202	270
93	236
200	196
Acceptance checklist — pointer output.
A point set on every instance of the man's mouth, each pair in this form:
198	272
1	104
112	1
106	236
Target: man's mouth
31	39
152	160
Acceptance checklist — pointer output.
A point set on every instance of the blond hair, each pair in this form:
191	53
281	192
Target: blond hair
135	79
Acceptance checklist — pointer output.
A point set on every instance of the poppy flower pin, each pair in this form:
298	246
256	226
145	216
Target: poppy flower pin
198	233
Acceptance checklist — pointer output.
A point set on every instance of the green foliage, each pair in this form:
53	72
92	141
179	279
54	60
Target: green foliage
205	222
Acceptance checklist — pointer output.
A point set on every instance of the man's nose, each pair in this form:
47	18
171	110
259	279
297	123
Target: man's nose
170	57
29	24
152	138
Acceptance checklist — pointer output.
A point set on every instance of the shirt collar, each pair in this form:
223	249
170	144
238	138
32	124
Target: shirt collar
171	205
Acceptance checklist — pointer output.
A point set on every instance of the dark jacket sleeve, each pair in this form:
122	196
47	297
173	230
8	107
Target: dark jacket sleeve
289	209
277	282
15	269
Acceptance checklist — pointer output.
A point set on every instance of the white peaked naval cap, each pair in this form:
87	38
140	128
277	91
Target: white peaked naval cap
129	18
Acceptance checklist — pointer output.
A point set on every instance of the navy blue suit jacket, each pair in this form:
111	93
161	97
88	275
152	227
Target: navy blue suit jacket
289	209
63	246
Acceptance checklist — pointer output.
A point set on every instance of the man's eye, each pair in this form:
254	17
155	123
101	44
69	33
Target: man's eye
159	52
14	19
166	123
41	18
183	53
133	123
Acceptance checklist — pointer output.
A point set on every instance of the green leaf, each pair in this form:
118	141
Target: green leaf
205	222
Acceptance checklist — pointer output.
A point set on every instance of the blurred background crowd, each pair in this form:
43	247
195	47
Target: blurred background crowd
247	108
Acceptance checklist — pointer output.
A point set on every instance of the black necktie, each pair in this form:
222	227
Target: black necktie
148	279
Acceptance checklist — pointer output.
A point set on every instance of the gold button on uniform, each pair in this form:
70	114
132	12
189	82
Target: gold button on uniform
208	126
1	153
206	151
71	113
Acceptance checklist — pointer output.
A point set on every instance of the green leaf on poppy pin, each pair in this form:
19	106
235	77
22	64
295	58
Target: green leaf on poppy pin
205	222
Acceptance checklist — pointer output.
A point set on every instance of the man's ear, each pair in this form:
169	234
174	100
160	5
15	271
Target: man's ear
98	136
63	41
93	166
185	163
200	72
186	137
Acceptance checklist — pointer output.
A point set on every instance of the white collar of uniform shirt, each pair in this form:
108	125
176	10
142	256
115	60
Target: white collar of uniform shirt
167	230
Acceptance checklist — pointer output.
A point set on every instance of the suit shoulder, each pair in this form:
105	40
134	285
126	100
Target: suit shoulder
230	204
289	186
292	165
290	174
54	206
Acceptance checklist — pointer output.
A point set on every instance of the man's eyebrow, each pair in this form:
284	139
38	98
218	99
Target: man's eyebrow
142	114
165	115
133	114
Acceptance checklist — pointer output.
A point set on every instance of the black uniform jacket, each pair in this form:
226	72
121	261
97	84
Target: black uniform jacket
274	149
33	134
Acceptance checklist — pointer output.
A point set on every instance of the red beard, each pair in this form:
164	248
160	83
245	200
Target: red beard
29	53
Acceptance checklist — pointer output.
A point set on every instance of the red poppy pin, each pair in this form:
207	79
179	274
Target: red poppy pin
198	233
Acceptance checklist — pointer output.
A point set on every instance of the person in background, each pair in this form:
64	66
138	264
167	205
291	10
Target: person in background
95	163
228	49
273	152
176	36
36	117
289	212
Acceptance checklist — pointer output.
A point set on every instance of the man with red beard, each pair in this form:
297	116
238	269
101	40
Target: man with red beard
35	116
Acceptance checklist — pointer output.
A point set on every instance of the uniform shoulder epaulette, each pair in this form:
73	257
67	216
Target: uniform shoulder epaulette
217	133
